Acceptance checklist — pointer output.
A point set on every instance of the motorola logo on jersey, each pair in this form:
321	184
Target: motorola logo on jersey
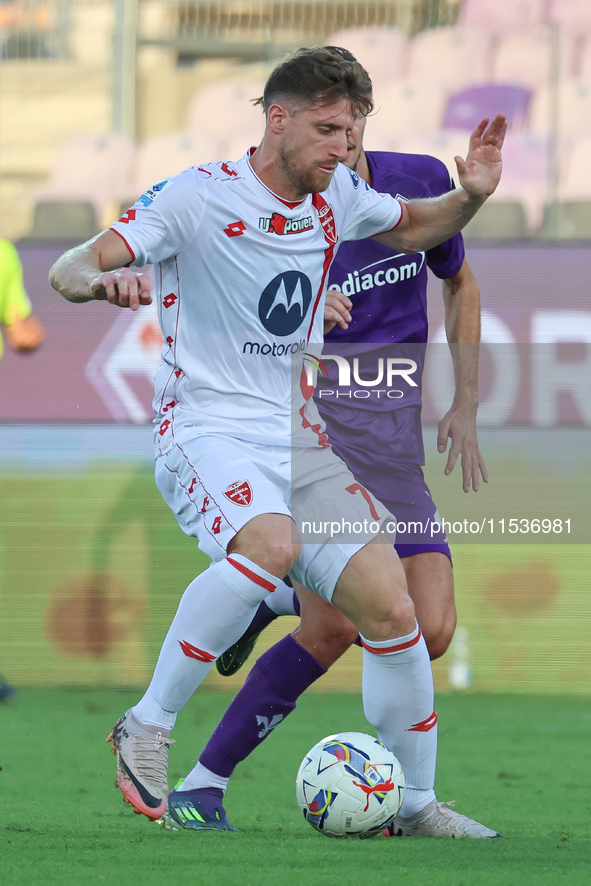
284	302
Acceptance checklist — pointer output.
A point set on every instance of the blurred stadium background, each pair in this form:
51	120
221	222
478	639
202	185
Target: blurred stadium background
101	98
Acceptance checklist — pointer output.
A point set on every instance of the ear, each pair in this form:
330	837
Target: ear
277	117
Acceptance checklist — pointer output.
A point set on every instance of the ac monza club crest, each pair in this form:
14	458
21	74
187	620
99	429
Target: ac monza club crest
239	493
327	221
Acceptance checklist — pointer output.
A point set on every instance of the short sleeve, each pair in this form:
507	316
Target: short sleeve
164	220
367	212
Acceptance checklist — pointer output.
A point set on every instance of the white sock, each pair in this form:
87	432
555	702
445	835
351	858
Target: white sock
398	701
202	777
281	602
213	613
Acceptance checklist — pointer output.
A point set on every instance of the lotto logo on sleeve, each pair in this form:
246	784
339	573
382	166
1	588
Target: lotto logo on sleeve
128	216
239	493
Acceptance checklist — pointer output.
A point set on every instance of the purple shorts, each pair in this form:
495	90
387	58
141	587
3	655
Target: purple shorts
402	489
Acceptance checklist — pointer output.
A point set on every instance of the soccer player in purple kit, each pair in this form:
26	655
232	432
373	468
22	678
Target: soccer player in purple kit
377	297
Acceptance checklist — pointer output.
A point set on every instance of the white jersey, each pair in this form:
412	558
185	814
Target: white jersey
240	278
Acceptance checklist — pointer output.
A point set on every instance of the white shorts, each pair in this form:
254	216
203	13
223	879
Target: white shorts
216	484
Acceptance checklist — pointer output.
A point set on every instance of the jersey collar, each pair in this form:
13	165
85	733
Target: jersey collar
288	203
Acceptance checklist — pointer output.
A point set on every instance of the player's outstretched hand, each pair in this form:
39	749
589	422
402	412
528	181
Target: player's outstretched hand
125	287
480	173
459	425
336	310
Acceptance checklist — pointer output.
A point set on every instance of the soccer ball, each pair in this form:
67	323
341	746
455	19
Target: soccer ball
350	785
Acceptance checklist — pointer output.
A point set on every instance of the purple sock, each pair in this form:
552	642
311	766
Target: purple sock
262	618
269	694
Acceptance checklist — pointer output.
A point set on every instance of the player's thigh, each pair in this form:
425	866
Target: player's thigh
372	592
430	581
215	488
324	631
335	517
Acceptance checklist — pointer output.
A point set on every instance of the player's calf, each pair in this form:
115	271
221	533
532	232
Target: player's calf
324	632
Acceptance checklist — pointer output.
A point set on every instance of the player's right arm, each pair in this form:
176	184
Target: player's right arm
427	222
98	269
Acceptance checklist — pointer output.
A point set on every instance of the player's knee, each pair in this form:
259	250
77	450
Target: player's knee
280	555
393	618
269	547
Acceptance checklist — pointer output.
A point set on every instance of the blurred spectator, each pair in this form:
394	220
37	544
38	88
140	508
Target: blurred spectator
24	332
6	690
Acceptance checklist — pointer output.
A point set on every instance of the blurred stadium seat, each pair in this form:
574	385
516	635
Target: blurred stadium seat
573	14
452	57
529	57
444	144
383	51
466	108
526	170
91	168
379	140
408	108
573	108
567	220
498	16
584	68
72	220
500	220
165	155
574	180
224	109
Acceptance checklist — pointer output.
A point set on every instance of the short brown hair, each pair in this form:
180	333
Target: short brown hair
321	75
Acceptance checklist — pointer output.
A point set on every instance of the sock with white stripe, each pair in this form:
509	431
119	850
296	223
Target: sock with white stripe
213	613
398	701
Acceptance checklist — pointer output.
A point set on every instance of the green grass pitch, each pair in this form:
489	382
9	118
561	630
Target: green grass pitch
519	763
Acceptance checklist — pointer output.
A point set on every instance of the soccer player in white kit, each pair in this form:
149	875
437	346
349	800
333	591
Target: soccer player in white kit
241	254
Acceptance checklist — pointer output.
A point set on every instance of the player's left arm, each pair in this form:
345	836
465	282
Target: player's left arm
426	223
461	298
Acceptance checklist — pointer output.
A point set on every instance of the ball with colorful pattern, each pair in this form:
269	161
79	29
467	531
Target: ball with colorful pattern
350	785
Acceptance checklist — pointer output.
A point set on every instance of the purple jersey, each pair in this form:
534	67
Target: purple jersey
389	295
389	291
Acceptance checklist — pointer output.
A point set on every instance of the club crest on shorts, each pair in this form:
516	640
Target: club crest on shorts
239	493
